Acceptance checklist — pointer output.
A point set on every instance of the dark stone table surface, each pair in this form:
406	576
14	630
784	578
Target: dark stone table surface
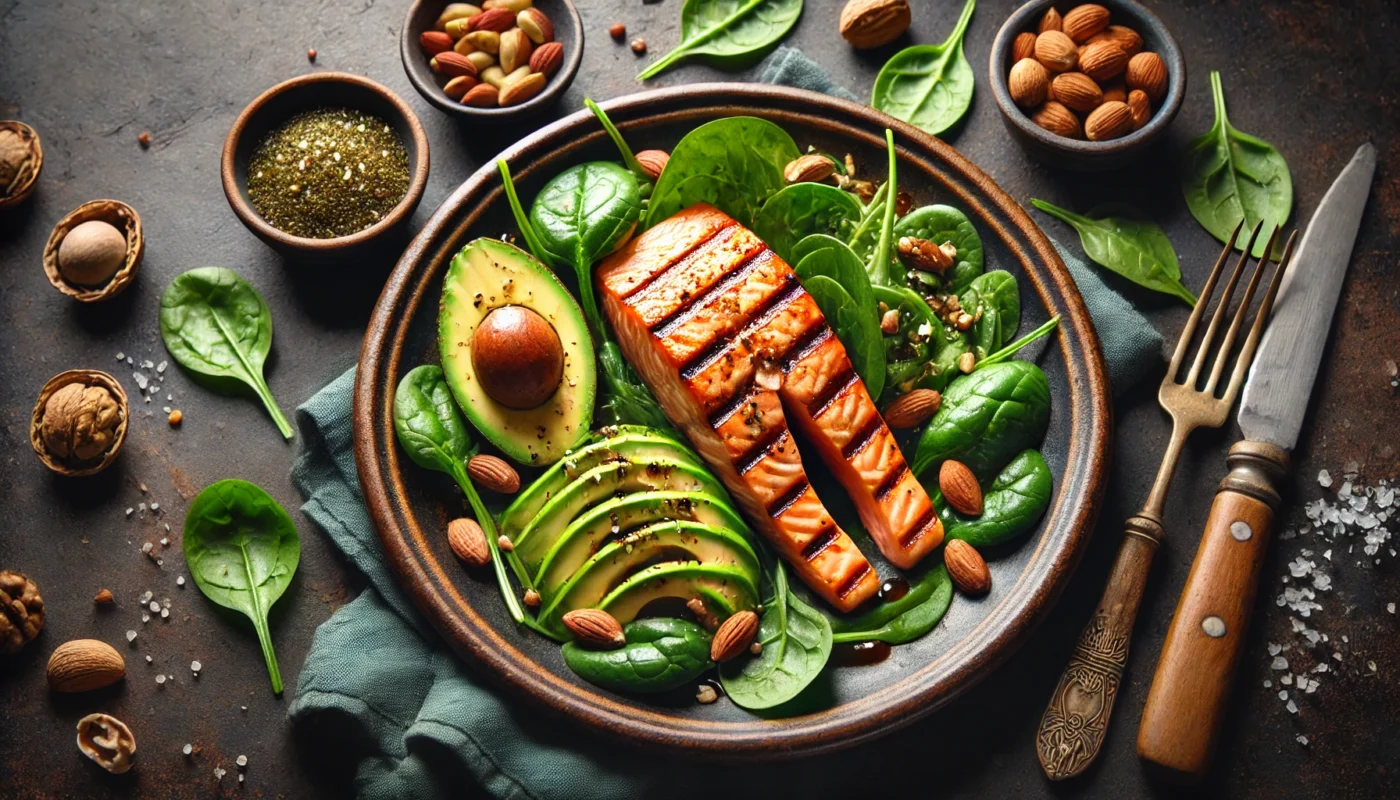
1313	78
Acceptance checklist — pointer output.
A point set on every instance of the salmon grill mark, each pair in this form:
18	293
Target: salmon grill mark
820	542
694	304
761	316
843	381
695	253
854	581
891	480
862	438
732	407
804	346
920	529
785	501
772	439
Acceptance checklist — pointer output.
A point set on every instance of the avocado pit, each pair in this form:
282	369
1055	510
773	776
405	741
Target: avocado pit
518	357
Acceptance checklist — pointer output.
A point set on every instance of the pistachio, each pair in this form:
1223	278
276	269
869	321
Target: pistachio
486	41
536	25
455	11
515	49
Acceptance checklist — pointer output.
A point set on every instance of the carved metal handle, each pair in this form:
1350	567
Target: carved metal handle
1076	721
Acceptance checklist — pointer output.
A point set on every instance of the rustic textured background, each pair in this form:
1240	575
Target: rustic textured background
1312	79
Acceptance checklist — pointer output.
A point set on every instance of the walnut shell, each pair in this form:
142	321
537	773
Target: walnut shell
21	158
106	740
121	216
79	431
21	611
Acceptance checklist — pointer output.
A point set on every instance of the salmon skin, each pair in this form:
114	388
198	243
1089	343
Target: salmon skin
737	352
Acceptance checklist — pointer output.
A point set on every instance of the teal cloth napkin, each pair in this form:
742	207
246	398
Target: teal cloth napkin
417	723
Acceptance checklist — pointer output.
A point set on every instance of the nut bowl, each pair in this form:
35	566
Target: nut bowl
1080	154
89	422
120	216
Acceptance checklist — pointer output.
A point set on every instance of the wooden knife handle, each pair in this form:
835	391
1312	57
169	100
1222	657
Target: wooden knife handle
1076	720
1187	700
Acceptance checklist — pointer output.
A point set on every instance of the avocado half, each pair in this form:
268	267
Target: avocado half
488	274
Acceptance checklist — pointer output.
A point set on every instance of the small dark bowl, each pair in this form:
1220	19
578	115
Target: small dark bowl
321	90
422	16
1079	154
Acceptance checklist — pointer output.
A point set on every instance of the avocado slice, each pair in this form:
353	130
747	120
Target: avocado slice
597	485
725	590
631	443
586	535
661	542
489	274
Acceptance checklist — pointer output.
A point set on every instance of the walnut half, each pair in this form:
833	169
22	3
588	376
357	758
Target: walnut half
106	740
21	611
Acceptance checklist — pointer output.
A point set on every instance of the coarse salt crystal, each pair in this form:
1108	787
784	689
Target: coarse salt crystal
155	606
241	761
1283	694
219	773
1303	740
145	618
180	581
1286	680
1292	707
195	666
121	356
165	613
160	680
131	636
1390	607
187	749
1324	478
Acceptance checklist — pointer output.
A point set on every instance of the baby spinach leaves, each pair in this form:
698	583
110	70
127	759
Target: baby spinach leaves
734	164
987	418
995	301
216	325
796	640
903	620
729	33
661	654
1227	175
803	209
242	549
928	85
939	224
855	326
1010	506
629	158
1132	247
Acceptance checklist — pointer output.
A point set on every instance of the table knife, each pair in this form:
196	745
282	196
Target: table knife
1186	704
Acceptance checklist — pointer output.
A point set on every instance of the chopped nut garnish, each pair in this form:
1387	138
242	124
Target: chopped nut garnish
889	321
706	694
532	598
923	255
964	321
966	362
639	46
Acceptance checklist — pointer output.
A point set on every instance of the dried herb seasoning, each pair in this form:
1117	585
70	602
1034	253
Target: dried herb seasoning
327	173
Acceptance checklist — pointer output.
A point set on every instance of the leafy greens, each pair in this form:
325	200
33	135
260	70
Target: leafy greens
928	85
796	641
728	33
1134	248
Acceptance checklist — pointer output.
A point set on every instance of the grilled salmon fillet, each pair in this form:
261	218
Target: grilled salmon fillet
737	352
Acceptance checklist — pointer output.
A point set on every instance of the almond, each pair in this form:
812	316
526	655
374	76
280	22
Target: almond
83	665
1051	21
653	161
595	628
515	49
1115	89
960	488
1103	60
465	536
494	473
967	568
547	58
536	25
1108	121
454	64
871	23
1028	82
734	637
809	168
1126	37
1056	51
1023	46
518	90
1147	72
434	42
455	11
459	86
1056	117
1140	107
499	20
105	598
913	409
1078	91
1082	22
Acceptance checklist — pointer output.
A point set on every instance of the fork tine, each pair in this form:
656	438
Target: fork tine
1251	342
1222	308
1235	324
1187	332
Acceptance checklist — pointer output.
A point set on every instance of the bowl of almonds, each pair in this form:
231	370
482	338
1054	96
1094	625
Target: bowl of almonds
492	58
1086	86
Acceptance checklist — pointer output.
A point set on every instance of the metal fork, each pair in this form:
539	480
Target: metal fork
1076	720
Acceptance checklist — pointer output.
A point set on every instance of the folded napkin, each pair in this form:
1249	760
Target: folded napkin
417	723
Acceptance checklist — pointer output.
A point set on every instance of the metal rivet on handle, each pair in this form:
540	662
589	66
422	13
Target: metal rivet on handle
1213	626
1241	530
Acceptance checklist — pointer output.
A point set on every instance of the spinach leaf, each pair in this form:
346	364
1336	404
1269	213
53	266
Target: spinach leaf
1010	507
242	550
928	85
1134	248
628	401
729	33
796	641
802	209
1227	175
995	297
923	353
629	158
216	325
866	236
939	224
734	164
819	254
660	655
987	417
905	619
1005	353
856	327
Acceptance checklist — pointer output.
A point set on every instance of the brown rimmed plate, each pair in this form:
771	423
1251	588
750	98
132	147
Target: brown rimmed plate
411	507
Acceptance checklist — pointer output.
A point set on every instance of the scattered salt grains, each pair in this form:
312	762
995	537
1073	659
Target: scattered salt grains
1301	739
165	613
187	749
1283	694
219	773
149	660
131	636
160	680
1324	478
145	618
195	667
241	761
1390	607
180	581
1280	663
121	356
1292	707
1286	680
129	511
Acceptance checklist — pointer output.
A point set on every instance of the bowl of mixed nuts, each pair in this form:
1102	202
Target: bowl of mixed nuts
492	58
1086	85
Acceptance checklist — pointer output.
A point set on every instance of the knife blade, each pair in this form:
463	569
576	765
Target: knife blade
1281	378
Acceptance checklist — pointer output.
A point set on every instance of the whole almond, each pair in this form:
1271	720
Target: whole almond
1027	83
960	488
871	23
653	161
1140	107
913	409
454	64
809	168
1108	121
967	568
499	20
520	89
1147	72
455	11
1050	21
1056	117
516	48
1115	89
83	665
494	474
595	628
485	41
734	637
434	42
1082	22
468	540
536	25
1023	46
1056	51
482	95
1078	91
459	86
1103	60
1126	37
547	58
